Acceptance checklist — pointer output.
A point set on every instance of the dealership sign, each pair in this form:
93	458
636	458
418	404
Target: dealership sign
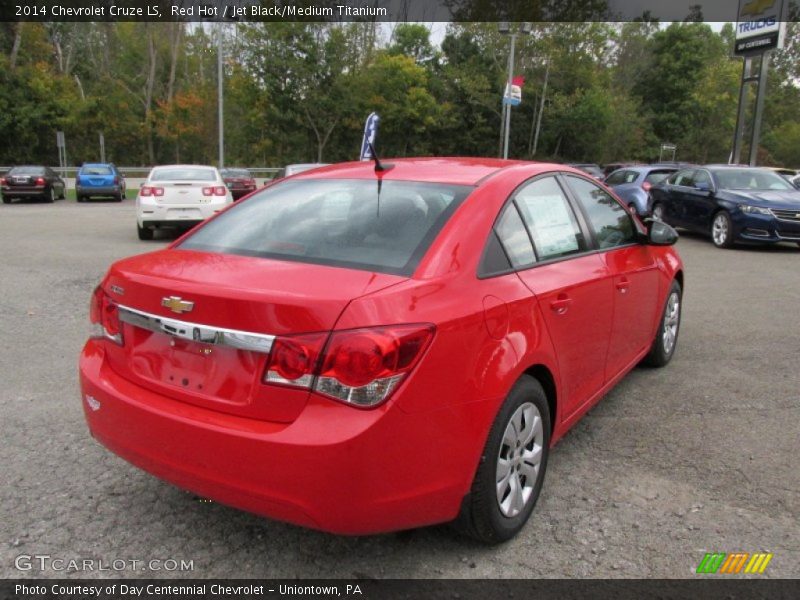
760	26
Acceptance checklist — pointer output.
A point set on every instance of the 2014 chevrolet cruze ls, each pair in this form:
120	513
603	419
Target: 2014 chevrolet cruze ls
361	351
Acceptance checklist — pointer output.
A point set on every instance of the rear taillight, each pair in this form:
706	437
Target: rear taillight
361	367
2	180
646	186
149	190
40	181
219	190
293	359
104	312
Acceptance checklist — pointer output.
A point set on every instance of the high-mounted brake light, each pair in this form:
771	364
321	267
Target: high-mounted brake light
103	311
361	367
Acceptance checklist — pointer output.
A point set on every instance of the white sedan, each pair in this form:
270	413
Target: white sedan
179	196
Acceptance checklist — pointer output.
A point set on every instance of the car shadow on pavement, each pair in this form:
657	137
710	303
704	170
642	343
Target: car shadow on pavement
779	248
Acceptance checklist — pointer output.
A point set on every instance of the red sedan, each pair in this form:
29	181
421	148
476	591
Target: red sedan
362	351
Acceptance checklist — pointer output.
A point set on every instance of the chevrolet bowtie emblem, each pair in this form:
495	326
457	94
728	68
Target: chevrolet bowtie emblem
756	7
177	304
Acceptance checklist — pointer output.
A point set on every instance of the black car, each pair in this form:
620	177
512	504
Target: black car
32	182
731	204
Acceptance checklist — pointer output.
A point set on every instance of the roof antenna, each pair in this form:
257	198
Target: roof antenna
379	166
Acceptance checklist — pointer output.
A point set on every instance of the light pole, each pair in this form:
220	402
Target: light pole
505	28
219	98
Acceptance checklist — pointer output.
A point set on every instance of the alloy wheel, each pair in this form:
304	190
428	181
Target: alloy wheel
672	317
519	459
719	230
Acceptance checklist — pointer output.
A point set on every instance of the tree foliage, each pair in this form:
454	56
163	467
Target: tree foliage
297	92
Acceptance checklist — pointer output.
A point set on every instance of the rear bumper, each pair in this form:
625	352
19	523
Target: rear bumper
175	215
240	192
99	190
25	191
335	468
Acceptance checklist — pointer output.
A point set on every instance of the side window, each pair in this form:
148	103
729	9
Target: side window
512	234
611	222
549	217
701	177
617	177
683	178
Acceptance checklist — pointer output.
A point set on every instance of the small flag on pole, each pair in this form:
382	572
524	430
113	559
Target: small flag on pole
370	136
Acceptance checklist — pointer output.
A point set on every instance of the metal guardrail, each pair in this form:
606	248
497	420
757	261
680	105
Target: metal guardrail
142	172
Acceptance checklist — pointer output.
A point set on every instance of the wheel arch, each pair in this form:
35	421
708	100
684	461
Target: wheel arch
544	376
679	279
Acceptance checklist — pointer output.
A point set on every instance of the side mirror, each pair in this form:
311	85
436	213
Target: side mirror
660	234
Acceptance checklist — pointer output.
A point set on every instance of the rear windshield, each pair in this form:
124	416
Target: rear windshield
658	176
751	179
27	171
339	222
236	173
183	174
96	171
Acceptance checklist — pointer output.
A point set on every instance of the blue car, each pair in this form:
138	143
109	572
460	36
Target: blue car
99	180
632	184
731	204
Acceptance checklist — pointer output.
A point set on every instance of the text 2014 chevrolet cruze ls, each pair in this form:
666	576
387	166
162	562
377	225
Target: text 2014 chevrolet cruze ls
362	351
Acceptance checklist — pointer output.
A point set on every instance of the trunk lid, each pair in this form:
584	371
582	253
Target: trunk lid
235	294
183	192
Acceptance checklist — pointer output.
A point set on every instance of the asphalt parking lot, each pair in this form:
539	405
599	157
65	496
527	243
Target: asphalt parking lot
698	457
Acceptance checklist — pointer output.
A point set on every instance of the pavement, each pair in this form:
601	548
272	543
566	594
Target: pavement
697	457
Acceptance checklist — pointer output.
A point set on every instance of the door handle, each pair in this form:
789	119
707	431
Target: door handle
561	304
623	285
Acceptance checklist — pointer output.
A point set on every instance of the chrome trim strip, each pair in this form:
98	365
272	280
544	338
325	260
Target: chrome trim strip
207	334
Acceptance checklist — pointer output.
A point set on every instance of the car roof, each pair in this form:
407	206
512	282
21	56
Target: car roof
453	170
97	165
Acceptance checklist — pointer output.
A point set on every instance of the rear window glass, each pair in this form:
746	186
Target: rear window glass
183	174
27	171
96	171
657	176
339	222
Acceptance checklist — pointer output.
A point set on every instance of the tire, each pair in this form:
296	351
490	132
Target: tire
669	326
118	198
63	194
145	233
81	198
50	196
722	230
658	211
489	513
6	200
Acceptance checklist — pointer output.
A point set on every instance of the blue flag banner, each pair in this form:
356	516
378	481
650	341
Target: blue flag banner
370	136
